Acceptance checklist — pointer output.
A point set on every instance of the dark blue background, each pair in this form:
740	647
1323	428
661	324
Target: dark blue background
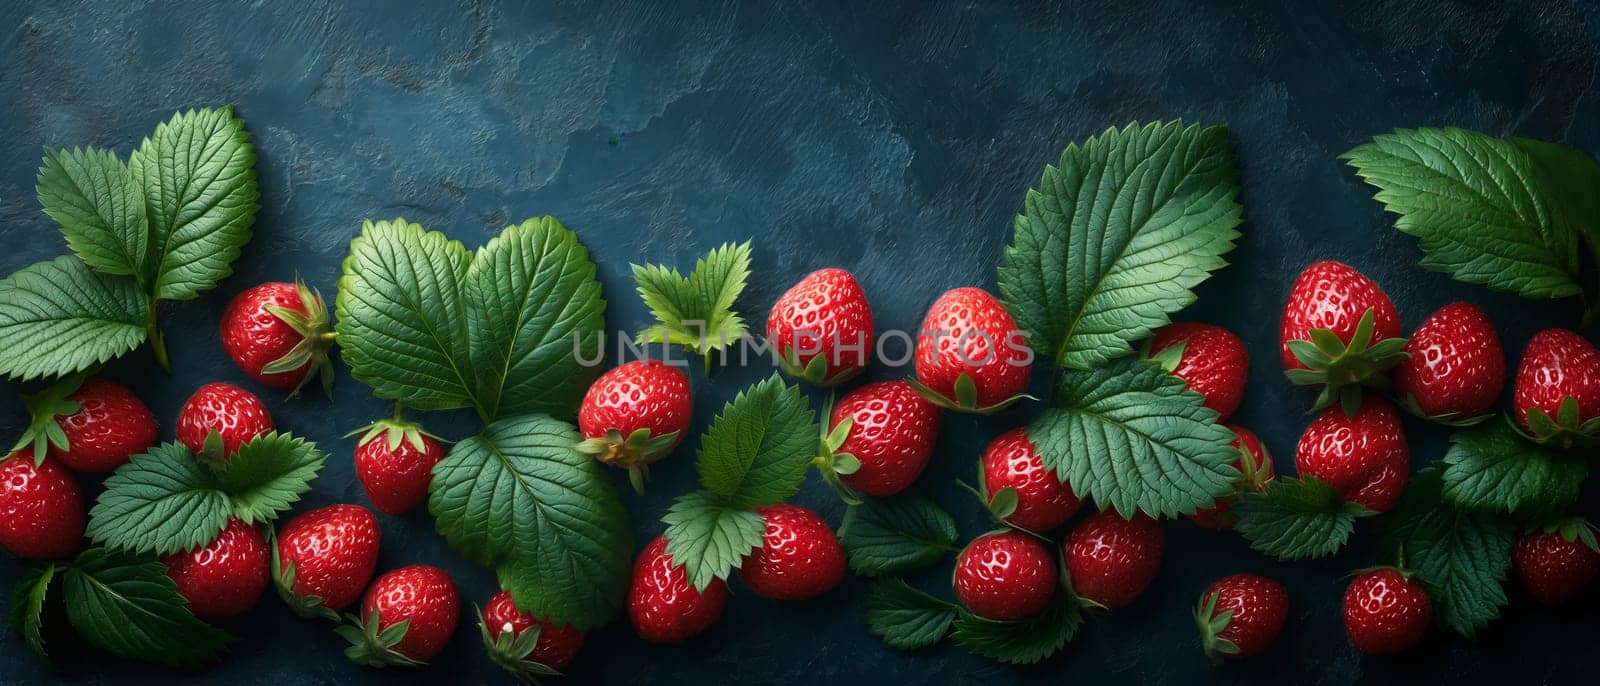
896	142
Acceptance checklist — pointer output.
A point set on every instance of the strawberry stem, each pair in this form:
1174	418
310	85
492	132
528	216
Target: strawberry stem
153	332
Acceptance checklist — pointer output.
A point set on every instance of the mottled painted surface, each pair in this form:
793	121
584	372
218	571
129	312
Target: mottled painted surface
896	142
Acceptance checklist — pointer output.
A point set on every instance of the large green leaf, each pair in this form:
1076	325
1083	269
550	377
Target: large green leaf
161	502
906	618
519	498
1492	467
758	450
896	534
1114	239
1462	557
1025	641
60	317
709	538
101	211
1294	519
128	606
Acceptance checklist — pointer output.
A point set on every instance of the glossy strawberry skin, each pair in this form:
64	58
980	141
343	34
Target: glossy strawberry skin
110	426
1333	296
643	394
1558	363
557	645
975	336
41	509
226	576
1217	516
235	413
1005	576
255	337
892	435
1259	605
1043	501
1553	570
662	605
1386	613
1214	363
334	551
1457	366
799	556
825	314
1364	458
1112	560
424	594
396	480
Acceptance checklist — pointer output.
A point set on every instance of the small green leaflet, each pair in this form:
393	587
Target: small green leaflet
906	618
27	606
268	475
1492	467
886	536
1462	557
100	209
59	317
1294	519
709	538
759	448
696	312
1026	641
129	607
1136	438
1115	238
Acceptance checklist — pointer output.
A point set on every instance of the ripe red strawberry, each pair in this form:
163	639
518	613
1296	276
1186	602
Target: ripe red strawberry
1386	612
662	605
394	462
1558	364
822	328
1005	576
278	333
236	414
1363	457
1456	368
224	577
968	332
1240	615
1358	339
324	558
799	556
41	508
544	651
1255	470
891	434
425	596
634	415
1555	564
1112	560
1043	501
1210	358
91	426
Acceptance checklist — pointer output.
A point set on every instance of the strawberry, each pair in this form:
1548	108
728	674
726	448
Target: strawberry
1339	331
892	431
224	577
1210	358
322	559
1240	615
1557	395
1386	612
1043	501
41	508
799	556
543	651
1556	562
821	328
1112	560
90	425
970	355
394	462
634	415
1362	456
1456	367
662	605
407	617
1255	470
1005	576
278	333
233	413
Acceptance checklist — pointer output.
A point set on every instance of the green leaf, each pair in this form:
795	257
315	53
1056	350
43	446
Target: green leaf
520	499
1136	438
1492	467
1461	556
906	618
129	607
758	450
198	175
100	209
59	317
1477	206
1569	176
709	538
268	474
1293	519
27	606
1026	641
896	534
162	502
1115	238
527	294
706	297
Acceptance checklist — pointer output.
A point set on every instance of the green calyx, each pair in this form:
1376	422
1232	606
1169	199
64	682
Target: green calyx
316	337
1453	419
308	606
1211	625
372	647
832	464
1001	506
510	650
966	399
634	453
43	407
1571	529
815	371
1343	369
394	432
1565	430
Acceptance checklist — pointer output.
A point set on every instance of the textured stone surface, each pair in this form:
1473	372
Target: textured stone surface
896	142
